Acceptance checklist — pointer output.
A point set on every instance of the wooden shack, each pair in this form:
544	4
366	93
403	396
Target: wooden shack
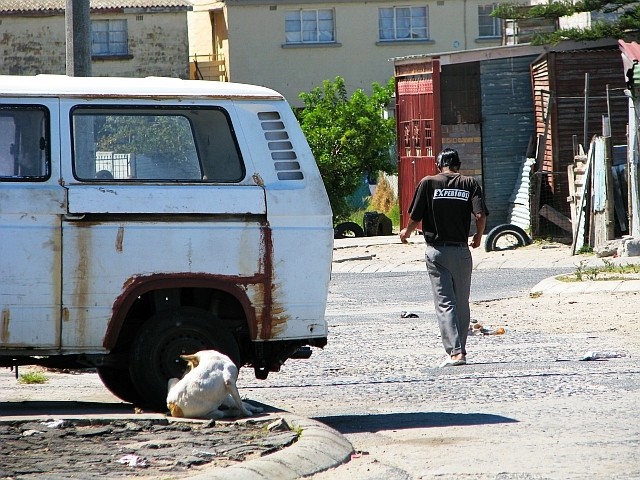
497	106
478	102
578	90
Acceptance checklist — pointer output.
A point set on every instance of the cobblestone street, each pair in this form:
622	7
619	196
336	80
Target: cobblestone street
152	448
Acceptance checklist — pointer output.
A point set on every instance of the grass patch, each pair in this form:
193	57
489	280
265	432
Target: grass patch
608	271
394	215
357	217
585	249
30	378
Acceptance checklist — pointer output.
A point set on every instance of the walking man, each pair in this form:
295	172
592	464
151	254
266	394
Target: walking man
445	204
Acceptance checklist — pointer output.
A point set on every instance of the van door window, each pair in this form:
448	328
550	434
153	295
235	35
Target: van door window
141	144
24	143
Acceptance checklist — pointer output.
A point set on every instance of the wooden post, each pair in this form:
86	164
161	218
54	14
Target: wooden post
603	193
610	223
586	110
632	164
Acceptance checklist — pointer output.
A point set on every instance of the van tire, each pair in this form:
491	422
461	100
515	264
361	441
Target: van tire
512	235
348	229
155	356
118	381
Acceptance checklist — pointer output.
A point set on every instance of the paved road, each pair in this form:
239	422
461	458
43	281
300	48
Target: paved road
525	408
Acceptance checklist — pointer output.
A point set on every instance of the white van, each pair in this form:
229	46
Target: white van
141	219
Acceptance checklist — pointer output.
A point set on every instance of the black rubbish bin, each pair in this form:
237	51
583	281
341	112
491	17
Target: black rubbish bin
370	223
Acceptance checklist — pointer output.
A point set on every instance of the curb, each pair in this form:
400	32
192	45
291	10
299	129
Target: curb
319	448
553	286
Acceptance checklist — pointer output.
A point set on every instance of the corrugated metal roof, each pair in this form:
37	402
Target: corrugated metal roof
32	6
630	49
631	64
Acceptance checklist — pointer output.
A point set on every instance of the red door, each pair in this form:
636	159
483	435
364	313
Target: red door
418	131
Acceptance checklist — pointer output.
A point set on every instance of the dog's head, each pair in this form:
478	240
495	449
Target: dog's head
192	361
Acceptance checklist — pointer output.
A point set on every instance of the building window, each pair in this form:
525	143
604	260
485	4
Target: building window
488	26
403	23
309	26
109	37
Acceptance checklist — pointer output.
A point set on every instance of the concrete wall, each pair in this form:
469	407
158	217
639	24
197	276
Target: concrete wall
263	58
158	46
32	45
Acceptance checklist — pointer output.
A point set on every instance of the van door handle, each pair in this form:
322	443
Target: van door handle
74	218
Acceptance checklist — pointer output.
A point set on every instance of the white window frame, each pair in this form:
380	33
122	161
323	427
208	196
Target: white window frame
310	26
406	23
109	37
486	22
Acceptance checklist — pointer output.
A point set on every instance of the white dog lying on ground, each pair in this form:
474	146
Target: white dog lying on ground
210	382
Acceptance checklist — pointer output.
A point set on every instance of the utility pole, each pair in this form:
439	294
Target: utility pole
78	37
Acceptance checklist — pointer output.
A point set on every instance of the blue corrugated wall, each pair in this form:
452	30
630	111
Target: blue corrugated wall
507	127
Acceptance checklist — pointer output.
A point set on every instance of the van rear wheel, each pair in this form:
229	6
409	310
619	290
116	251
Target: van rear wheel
118	381
155	356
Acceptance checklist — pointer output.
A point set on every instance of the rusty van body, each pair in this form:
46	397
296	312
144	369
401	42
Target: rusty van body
141	219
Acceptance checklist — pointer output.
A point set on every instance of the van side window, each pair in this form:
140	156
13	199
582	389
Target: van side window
24	143
143	144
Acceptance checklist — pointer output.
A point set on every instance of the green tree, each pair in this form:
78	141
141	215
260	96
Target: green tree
628	18
348	136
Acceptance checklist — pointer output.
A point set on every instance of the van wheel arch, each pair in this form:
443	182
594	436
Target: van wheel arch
138	303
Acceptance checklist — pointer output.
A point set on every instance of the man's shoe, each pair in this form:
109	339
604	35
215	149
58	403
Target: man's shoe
450	362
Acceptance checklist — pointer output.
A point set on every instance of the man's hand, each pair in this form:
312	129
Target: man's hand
476	240
405	233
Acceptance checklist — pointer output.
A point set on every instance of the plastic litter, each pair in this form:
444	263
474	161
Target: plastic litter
495	331
134	461
203	453
54	424
601	355
404	314
478	329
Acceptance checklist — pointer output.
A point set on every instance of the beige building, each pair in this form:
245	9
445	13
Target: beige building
292	46
131	38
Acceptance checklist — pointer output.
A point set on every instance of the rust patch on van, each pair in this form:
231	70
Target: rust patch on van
119	239
81	278
264	312
4	328
258	179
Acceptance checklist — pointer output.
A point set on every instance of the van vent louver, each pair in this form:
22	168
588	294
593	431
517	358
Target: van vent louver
284	157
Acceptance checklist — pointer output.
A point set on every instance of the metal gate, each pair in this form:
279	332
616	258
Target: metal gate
418	130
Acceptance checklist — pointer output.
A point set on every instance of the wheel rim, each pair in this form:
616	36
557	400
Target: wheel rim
186	343
155	356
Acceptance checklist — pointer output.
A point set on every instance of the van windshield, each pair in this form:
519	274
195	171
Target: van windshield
143	144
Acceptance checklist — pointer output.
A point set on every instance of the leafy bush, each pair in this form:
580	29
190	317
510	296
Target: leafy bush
348	136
